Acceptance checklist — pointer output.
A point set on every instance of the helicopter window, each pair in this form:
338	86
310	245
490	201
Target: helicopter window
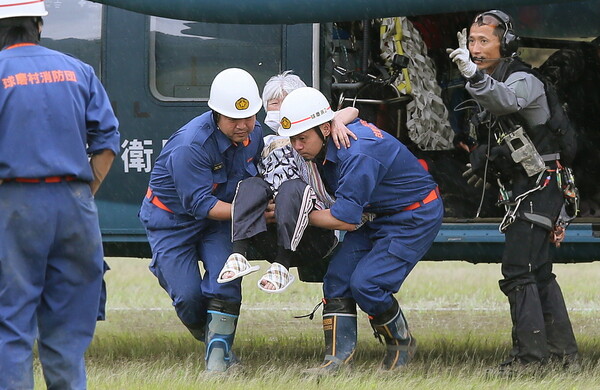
74	27
535	56
186	56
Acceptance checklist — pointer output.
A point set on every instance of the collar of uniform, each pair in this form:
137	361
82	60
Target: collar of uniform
19	45
246	142
223	142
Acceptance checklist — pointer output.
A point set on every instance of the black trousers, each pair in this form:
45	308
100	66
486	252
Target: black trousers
541	324
526	253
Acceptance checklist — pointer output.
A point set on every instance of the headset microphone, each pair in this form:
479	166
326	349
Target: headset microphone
490	59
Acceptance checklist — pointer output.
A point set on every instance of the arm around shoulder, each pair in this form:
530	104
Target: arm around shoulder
339	132
346	115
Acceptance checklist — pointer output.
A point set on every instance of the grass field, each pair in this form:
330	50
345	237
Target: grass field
454	309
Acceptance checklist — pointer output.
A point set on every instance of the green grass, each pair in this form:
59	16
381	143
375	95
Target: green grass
455	310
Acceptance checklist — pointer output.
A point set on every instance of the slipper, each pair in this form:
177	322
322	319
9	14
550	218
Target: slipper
237	264
278	276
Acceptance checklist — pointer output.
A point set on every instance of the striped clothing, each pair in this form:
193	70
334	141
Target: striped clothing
280	162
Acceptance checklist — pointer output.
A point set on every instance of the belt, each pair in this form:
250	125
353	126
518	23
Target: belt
433	195
49	179
155	201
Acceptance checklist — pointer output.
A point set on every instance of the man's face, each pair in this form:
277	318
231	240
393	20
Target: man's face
308	144
484	47
236	130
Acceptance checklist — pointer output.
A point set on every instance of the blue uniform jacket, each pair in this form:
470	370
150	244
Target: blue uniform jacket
377	174
54	113
199	165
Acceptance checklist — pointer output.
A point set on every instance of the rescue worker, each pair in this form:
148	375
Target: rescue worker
58	139
391	209
187	210
514	99
296	187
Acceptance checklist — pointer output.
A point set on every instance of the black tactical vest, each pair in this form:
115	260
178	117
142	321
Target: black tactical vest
557	135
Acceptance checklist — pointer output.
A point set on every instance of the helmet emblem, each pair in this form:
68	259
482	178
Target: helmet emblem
242	104
285	123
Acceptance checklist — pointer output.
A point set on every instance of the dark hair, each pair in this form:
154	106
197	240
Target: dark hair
24	29
216	116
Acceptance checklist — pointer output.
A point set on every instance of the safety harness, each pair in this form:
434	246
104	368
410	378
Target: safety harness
513	208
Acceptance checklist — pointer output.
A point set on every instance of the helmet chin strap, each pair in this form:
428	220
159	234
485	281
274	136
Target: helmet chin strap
324	138
323	152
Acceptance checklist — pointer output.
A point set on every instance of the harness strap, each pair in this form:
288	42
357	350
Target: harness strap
551	157
512	208
536	219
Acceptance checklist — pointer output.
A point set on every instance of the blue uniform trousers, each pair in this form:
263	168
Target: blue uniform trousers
178	244
372	262
51	266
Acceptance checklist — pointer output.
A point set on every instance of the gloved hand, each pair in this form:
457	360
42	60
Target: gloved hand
462	57
478	158
476	168
472	177
501	159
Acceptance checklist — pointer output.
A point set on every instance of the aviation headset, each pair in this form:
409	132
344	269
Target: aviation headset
509	43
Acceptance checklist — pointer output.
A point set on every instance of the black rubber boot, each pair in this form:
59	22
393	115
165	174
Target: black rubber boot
400	344
220	333
339	328
559	332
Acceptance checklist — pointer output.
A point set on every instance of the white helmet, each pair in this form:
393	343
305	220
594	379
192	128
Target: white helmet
234	93
16	8
303	109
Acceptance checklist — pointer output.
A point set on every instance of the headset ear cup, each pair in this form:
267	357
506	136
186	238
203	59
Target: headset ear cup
511	43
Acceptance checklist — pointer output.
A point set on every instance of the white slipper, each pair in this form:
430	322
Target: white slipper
278	276
237	264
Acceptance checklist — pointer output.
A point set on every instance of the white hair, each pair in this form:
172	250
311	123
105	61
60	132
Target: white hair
280	85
